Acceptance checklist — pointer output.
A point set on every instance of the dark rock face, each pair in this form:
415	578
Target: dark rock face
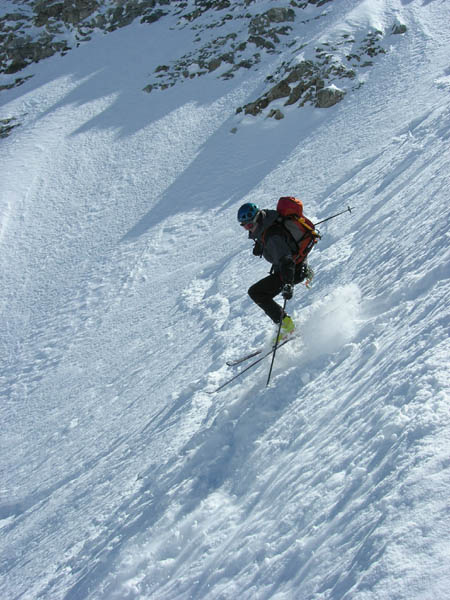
329	96
42	28
320	76
315	81
269	33
66	12
7	125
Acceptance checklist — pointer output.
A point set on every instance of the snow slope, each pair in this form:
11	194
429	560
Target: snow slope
124	277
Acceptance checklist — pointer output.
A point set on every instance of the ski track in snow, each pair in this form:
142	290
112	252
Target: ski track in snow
124	280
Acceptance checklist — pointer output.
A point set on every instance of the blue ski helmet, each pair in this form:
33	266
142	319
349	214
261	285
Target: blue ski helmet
247	213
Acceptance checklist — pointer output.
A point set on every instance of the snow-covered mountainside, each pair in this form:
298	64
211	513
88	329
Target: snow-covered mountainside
124	279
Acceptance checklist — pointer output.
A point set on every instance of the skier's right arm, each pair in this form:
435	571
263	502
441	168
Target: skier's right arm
257	248
287	269
282	257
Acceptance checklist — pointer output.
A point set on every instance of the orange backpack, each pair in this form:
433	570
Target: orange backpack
299	227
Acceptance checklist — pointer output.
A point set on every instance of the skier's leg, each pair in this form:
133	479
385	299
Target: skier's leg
263	293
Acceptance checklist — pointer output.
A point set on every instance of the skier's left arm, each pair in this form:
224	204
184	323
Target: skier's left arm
287	269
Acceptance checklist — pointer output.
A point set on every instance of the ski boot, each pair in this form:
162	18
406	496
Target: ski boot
287	329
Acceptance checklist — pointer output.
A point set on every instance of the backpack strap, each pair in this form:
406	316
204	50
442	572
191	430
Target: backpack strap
307	226
306	242
302	246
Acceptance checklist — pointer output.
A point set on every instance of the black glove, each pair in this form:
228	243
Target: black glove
287	291
257	249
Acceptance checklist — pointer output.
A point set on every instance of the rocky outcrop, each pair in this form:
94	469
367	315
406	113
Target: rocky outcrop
20	51
399	28
314	81
319	76
329	96
322	79
67	12
42	28
7	125
240	49
265	31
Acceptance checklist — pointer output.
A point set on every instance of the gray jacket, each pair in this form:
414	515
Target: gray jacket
273	242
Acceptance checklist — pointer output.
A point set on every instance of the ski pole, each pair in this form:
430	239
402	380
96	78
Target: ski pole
348	209
276	343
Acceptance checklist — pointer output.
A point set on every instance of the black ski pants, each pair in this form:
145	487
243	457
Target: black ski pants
264	291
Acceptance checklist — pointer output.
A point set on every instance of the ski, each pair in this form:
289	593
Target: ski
238	361
253	364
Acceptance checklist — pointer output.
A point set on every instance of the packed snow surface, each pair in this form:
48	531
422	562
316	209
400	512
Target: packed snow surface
123	293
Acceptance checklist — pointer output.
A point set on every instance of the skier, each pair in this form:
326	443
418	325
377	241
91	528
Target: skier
276	245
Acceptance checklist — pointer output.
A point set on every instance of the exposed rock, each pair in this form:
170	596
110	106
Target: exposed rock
281	90
261	30
275	114
153	16
204	6
311	77
299	71
313	81
329	96
260	24
254	108
41	28
6	126
280	15
18	81
261	42
71	12
214	64
304	3
19	51
296	93
399	28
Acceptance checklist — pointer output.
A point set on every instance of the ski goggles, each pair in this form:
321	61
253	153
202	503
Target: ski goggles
248	226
